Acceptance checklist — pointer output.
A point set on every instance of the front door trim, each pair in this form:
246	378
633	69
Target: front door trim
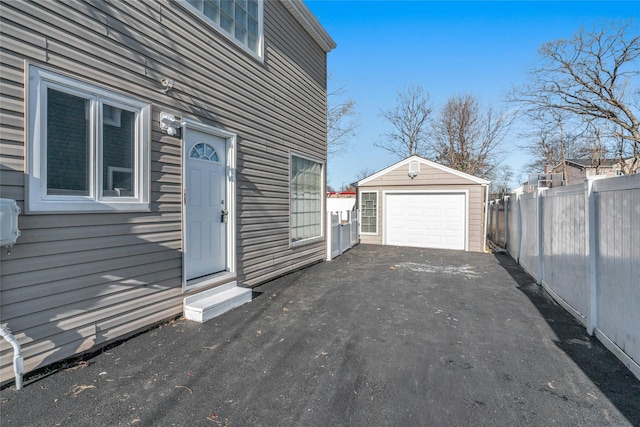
189	125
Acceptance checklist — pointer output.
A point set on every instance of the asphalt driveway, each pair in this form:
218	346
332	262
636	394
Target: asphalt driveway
381	336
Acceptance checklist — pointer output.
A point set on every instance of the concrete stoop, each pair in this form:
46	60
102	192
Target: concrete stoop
214	302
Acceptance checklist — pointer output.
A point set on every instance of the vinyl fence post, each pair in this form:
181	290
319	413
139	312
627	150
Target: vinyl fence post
518	227
339	235
329	236
540	236
592	254
493	220
506	221
496	235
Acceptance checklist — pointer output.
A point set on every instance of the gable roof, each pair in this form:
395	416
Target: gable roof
426	162
588	163
310	23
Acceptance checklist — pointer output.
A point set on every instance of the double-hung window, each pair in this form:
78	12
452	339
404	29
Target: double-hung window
239	20
306	199
369	212
88	147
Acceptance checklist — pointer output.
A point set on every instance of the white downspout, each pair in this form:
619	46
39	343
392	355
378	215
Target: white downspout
486	214
18	362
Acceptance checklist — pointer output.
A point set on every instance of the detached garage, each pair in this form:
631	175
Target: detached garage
419	203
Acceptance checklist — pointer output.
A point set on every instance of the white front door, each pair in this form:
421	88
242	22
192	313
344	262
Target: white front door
206	206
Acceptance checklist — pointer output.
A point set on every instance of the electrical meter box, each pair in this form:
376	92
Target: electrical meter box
9	211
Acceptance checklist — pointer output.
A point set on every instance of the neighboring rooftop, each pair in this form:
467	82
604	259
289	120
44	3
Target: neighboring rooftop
585	163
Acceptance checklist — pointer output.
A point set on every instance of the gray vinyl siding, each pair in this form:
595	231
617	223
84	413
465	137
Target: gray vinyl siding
74	281
433	180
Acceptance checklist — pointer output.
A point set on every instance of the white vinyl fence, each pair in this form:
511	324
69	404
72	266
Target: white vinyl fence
582	244
343	232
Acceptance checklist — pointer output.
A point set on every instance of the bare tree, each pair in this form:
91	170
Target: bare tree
341	121
501	181
627	155
363	173
595	147
467	136
554	138
591	76
409	118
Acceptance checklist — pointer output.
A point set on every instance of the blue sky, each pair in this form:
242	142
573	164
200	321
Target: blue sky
447	47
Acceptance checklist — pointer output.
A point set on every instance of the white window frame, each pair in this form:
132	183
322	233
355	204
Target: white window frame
259	53
38	201
377	213
322	201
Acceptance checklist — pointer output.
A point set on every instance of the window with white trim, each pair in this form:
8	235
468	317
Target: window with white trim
239	20
306	199
88	147
369	212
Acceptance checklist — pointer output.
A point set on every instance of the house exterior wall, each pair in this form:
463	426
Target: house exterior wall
573	174
431	180
341	204
76	280
576	175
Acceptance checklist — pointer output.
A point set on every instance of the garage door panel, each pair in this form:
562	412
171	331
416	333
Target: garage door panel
430	220
433	226
450	227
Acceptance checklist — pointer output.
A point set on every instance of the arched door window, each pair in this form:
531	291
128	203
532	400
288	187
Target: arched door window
203	151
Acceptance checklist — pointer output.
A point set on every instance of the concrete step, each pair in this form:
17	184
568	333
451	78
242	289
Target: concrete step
214	302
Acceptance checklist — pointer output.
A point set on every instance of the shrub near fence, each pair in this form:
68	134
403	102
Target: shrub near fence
582	244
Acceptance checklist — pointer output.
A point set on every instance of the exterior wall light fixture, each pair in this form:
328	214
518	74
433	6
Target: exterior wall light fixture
168	85
169	124
414	168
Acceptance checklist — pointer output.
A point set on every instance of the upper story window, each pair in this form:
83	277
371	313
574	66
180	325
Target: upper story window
88	148
240	20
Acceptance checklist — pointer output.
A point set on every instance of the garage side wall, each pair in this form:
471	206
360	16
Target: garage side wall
428	180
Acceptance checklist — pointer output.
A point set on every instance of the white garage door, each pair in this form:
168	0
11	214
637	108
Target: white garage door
426	220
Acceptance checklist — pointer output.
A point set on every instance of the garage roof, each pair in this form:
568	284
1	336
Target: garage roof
426	162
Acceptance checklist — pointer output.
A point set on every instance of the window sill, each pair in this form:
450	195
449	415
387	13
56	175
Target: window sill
307	241
57	207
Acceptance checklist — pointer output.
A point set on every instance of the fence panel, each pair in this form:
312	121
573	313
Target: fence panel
491	227
529	230
501	238
334	236
583	244
496	227
564	254
617	206
345	237
355	228
513	231
342	234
